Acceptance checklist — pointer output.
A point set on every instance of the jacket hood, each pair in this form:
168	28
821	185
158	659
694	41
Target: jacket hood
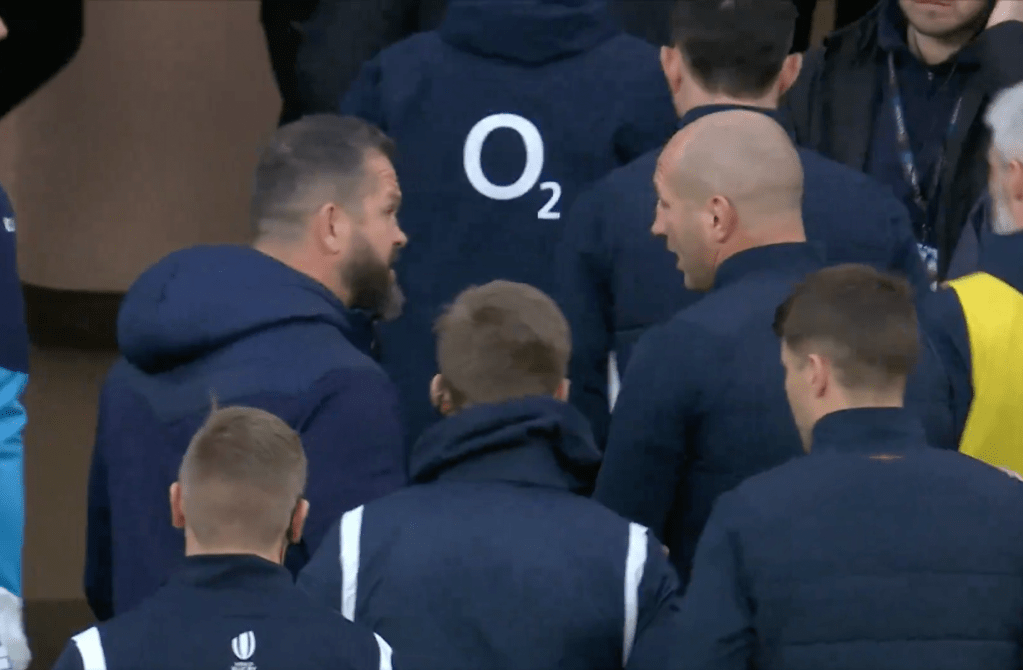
527	31
540	441
199	300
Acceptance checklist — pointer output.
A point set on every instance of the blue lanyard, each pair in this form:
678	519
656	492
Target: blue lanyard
909	168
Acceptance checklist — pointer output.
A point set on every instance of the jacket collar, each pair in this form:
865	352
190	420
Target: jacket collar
697	113
1002	256
230	570
871	430
788	257
539	441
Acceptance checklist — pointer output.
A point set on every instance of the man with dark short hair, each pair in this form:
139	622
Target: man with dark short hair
491	559
285	325
701	406
616	281
875	551
239	500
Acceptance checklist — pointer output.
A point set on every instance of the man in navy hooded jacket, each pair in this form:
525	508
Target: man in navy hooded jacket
491	559
701	407
615	280
285	326
874	551
501	117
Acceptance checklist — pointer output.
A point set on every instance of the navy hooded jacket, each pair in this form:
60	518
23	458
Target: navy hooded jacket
616	279
491	560
501	117
1001	256
703	403
223	612
236	323
872	552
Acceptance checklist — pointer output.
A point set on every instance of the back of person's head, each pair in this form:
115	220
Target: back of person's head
499	342
308	163
1005	119
727	182
849	339
733	48
240	485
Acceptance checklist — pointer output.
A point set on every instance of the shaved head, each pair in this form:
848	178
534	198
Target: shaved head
740	155
727	182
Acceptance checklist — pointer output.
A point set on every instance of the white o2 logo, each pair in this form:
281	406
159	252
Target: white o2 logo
530	173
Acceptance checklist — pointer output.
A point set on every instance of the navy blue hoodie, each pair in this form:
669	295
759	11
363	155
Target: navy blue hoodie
616	279
231	321
223	612
872	552
490	560
484	201
1001	256
703	403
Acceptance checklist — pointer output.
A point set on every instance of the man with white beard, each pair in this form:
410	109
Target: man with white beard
977	320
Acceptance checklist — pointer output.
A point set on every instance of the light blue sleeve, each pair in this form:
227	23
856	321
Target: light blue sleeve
12	486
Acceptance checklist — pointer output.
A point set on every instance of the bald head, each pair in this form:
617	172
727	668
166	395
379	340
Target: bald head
742	156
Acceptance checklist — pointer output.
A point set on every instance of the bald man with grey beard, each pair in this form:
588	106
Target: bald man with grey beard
703	405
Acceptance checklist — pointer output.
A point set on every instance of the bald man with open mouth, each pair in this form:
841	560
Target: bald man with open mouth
702	405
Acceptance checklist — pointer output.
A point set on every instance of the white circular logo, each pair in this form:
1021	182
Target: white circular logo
473	152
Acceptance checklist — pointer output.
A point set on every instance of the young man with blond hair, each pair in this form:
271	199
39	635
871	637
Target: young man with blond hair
239	499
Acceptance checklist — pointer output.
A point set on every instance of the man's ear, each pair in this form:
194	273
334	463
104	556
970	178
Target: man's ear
671	65
177	509
789	73
723	219
561	393
440	396
298	521
331	226
818	371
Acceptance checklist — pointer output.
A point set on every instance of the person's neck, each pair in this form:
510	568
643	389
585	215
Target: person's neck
934	50
692	97
192	549
298	259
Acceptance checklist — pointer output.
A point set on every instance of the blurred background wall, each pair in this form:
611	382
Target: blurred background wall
143	145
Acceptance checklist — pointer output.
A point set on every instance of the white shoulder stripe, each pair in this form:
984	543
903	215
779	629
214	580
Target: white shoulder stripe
635	562
348	557
385	653
90	647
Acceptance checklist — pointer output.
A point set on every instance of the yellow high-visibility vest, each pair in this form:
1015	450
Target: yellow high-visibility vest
994	321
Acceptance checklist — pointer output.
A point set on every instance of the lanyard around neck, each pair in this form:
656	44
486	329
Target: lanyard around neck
908	159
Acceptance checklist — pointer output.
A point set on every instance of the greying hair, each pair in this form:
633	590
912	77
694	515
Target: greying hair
306	164
1005	119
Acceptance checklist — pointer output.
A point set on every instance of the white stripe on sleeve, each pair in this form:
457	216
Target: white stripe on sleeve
635	562
385	653
90	647
349	538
